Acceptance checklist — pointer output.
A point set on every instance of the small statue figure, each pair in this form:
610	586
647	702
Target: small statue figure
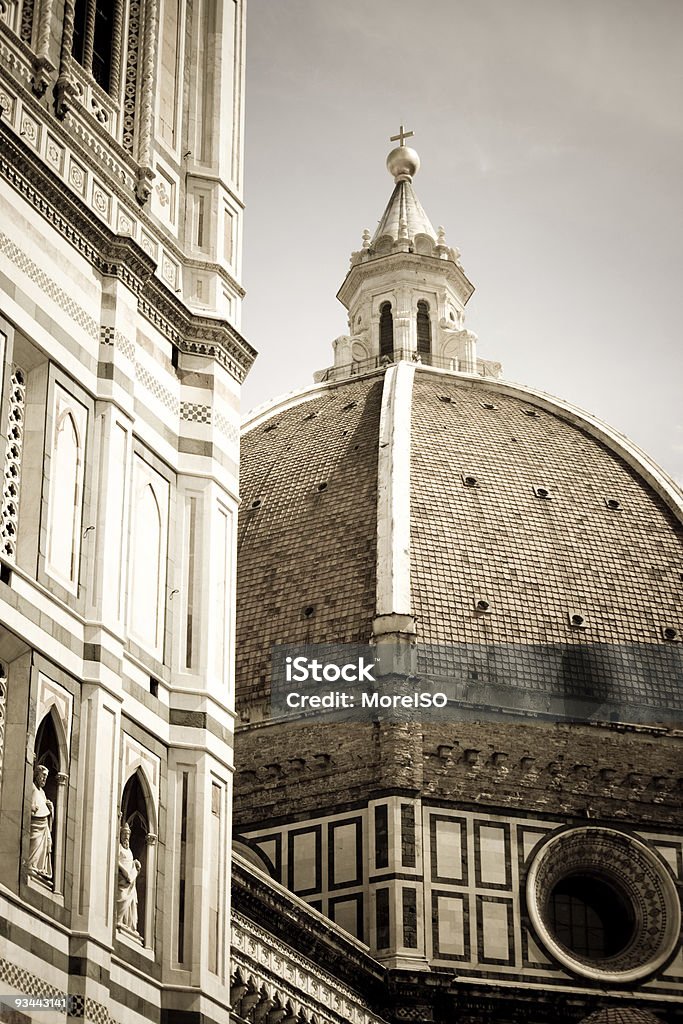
40	836
126	891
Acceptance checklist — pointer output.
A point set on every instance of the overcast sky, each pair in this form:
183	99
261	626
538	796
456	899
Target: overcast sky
550	134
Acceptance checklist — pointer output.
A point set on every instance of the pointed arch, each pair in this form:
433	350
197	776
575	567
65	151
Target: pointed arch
137	812
46	842
65	518
49	751
51	743
149	552
138	775
147	555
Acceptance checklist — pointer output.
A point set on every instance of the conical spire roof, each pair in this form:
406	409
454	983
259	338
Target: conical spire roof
404	215
404	208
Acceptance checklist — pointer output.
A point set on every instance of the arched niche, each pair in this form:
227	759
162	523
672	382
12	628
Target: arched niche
138	813
50	751
423	244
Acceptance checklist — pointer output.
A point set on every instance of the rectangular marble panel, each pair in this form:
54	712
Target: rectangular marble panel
451	939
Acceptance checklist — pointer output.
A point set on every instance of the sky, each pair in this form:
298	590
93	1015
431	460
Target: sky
550	135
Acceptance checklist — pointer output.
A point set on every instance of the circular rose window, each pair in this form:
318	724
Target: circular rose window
603	904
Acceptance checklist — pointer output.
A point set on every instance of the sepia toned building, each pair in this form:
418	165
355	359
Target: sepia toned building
122	359
516	855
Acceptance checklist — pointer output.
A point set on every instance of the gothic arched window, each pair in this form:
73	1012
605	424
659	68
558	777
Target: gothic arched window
95	22
424	329
386	330
149	551
64	508
66	489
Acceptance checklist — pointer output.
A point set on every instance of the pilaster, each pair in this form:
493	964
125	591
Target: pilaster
97	829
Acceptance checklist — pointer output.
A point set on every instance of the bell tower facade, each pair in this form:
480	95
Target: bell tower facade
121	361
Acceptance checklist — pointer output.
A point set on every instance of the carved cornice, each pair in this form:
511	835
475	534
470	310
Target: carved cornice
120	256
446	269
279	973
280	914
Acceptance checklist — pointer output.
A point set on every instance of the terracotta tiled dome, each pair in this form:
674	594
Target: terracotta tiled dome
621	1015
513	498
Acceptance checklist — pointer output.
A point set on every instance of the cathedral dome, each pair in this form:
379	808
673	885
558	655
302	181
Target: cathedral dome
471	512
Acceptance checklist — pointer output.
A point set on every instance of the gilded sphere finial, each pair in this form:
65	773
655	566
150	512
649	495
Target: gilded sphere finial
404	163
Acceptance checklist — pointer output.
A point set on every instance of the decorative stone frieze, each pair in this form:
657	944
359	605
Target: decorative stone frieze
121	256
12	470
268	970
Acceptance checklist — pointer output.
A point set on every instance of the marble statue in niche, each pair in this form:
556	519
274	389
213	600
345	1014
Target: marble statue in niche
42	818
126	890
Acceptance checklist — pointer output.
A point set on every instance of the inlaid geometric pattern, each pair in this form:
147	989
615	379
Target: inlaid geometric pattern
26	30
156	388
226	426
9	518
28	984
118	340
191	412
50	287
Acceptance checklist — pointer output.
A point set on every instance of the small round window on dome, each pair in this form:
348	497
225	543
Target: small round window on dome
446	399
670	633
311	416
256	503
577	620
482	605
531	412
488	405
349	405
542	492
322	486
613	503
309	611
271	426
468	480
